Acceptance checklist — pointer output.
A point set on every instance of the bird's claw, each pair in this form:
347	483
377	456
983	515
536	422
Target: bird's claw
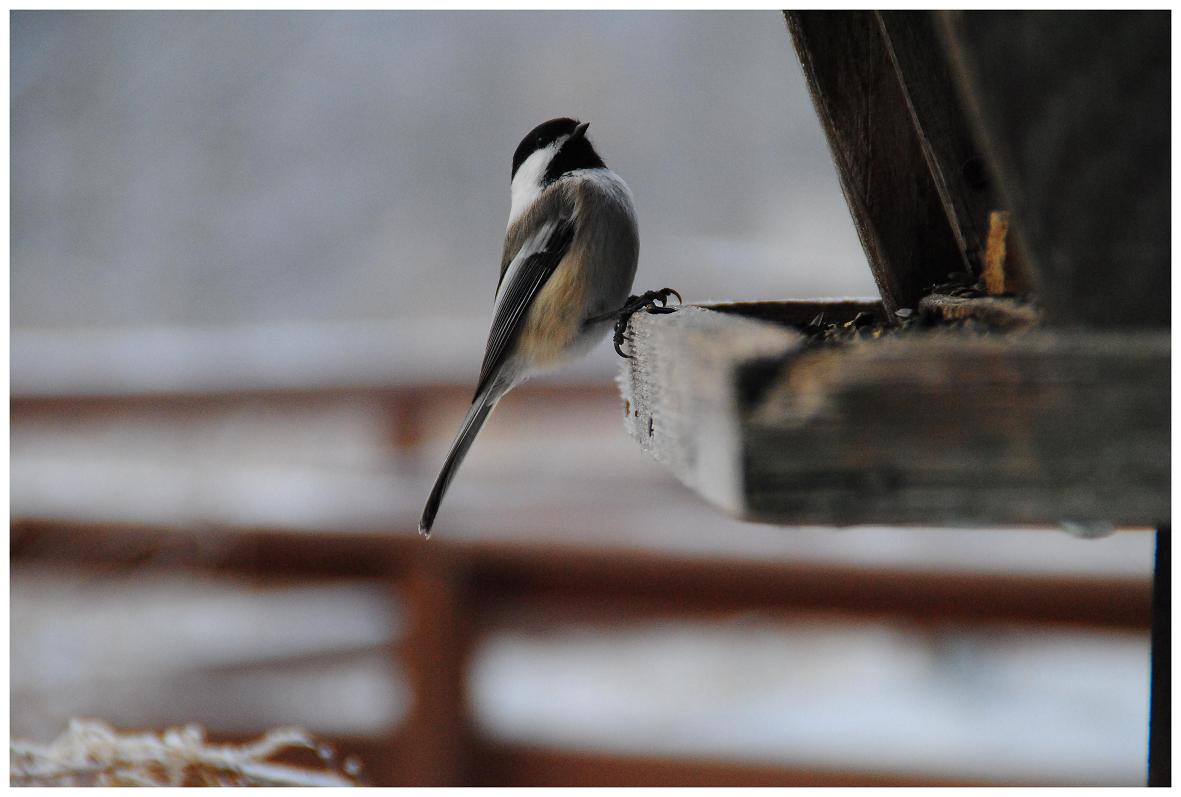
647	301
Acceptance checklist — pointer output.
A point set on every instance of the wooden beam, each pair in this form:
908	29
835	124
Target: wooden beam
961	172
1074	111
681	409
436	654
593	585
920	427
538	592
878	153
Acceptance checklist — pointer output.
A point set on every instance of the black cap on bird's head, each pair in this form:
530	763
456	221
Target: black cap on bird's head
571	148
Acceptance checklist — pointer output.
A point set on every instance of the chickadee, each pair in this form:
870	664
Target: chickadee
569	259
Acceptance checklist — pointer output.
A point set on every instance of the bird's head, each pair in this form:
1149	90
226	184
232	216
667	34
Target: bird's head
552	149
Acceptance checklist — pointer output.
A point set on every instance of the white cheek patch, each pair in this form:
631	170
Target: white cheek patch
527	180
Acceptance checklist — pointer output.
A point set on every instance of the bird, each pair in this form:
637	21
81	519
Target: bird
566	271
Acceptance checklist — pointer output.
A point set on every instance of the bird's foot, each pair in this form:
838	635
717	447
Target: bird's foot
649	301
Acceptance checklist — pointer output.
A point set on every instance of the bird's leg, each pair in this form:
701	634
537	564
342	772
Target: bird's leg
648	302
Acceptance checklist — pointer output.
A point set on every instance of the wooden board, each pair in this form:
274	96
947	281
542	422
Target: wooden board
525	585
692	400
961	173
893	199
944	427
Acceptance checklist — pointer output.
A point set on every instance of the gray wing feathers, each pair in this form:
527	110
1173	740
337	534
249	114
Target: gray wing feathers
554	202
522	279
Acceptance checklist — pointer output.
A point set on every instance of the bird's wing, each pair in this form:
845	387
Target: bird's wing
522	276
553	202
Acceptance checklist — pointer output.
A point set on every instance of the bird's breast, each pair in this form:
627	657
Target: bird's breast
553	323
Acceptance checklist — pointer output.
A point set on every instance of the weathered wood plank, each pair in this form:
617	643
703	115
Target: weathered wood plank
894	201
693	400
1074	109
943	429
962	174
939	427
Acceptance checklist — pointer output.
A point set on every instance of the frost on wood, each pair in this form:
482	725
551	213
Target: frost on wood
92	753
681	388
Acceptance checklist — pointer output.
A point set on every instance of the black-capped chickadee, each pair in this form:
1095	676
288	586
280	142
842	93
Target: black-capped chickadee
569	259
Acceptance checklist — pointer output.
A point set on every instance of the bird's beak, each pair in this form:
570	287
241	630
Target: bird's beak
580	131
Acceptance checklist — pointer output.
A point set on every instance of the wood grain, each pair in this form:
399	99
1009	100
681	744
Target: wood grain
681	409
961	172
894	200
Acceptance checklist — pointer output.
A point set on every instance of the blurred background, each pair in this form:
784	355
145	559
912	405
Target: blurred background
252	264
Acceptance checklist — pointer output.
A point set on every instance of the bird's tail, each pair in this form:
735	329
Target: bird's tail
475	418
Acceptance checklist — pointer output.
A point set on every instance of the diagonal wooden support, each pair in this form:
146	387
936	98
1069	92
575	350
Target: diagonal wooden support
959	169
879	151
